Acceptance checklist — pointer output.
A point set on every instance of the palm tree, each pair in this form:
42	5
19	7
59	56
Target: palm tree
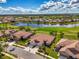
38	22
61	34
78	35
28	29
53	33
1	49
21	27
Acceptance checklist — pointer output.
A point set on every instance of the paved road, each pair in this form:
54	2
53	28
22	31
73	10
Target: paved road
23	54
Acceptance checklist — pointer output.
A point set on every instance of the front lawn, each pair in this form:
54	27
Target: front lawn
68	33
51	50
6	57
23	42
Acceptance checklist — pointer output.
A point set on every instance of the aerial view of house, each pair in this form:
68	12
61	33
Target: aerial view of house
22	35
39	29
70	49
40	39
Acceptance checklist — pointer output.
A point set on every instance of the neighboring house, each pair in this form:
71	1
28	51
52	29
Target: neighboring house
40	39
70	51
63	43
8	19
22	35
20	19
9	32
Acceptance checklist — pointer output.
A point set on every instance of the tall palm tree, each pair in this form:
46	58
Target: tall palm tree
1	49
61	34
78	35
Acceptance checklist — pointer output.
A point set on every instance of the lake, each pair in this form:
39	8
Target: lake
45	25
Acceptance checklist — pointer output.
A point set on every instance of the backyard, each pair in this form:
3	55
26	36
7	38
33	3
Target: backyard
61	32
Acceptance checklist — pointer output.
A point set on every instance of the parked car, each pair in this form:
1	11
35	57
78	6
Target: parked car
12	49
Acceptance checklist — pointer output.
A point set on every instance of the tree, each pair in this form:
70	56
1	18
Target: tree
21	27
1	49
78	34
53	33
61	34
28	29
38	22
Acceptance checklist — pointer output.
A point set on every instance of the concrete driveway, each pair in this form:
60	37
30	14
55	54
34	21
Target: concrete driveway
31	50
22	54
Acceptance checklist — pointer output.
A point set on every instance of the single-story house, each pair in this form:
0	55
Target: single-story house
9	31
63	43
22	35
40	39
70	49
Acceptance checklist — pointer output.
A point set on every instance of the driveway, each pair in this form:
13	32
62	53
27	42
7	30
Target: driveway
62	57
22	54
31	50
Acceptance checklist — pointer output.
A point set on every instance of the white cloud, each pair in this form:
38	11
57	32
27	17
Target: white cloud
2	1
50	7
18	10
63	6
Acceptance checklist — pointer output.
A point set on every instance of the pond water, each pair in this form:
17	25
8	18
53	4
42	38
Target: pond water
45	25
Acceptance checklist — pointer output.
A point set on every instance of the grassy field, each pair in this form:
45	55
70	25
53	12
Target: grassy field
6	57
69	33
23	42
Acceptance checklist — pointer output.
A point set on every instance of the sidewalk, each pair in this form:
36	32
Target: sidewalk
32	51
45	55
28	49
9	55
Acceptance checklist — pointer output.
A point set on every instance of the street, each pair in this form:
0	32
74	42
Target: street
22	54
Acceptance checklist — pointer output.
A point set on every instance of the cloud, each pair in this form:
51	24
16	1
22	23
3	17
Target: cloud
63	5
50	7
17	10
2	1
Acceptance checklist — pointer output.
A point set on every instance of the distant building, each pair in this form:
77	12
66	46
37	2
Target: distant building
62	43
8	19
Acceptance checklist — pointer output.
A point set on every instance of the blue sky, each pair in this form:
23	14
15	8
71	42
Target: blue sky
23	3
39	6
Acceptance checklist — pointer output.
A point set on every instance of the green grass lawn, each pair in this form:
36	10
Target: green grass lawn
7	25
58	29
6	57
69	33
23	42
51	50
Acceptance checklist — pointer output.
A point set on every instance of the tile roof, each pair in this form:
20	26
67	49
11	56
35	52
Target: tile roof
23	34
9	31
64	42
42	38
71	49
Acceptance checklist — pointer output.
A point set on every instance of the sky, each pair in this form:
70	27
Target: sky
38	6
